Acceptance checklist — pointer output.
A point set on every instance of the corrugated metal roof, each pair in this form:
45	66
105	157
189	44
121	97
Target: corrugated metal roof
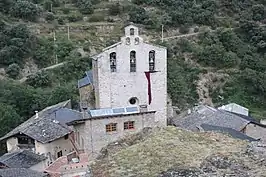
88	79
113	111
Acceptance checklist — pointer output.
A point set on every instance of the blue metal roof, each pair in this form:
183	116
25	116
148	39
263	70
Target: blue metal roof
88	79
230	131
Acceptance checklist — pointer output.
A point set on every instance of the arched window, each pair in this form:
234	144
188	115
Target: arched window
132	61
132	31
113	62
152	60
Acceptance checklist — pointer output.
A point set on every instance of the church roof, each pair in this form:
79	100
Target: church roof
87	80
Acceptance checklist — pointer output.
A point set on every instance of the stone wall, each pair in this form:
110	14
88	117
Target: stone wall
95	135
54	147
256	131
12	144
87	97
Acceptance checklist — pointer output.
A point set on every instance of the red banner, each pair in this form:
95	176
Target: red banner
148	76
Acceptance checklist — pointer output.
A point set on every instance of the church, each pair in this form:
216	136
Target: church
125	91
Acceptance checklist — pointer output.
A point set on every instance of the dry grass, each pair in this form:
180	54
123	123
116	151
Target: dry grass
164	149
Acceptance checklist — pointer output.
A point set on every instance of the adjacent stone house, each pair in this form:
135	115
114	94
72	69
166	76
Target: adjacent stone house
45	133
103	126
206	118
23	159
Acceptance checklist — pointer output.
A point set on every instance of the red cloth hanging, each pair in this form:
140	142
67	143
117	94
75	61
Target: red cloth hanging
148	76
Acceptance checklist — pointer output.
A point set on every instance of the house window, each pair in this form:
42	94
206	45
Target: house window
23	140
129	125
111	127
113	62
59	154
132	61
66	137
152	60
132	31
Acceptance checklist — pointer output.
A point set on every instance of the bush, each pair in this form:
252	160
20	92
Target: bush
96	18
13	70
49	16
61	21
66	10
40	79
74	17
138	14
115	9
196	29
25	10
85	6
184	29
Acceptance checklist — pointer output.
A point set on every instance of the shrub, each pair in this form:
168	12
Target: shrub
61	21
96	18
66	10
74	17
115	9
26	10
40	79
196	29
49	16
13	70
138	14
184	29
85	6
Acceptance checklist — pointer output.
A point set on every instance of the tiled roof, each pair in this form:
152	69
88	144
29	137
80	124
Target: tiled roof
49	125
211	116
88	79
20	172
233	133
21	159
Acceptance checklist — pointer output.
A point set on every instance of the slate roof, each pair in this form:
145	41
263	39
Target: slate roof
21	159
211	116
88	79
20	172
49	125
233	133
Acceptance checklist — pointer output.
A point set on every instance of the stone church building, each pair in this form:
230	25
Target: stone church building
125	91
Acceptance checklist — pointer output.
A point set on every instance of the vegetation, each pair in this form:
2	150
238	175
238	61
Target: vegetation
235	45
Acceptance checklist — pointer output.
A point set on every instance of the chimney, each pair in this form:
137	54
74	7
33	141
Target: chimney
37	115
263	122
143	108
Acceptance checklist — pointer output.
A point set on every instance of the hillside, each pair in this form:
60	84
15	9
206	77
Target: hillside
172	152
216	49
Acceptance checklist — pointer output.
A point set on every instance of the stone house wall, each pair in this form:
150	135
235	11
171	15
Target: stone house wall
95	135
114	89
51	149
87	96
256	131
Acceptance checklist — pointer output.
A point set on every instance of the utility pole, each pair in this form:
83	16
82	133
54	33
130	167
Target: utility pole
56	61
68	36
162	32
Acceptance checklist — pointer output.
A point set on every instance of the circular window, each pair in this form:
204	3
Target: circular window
133	100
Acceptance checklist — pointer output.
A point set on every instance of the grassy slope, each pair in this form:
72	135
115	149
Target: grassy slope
162	149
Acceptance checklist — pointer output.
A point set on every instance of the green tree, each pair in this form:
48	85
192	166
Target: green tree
9	118
138	14
13	70
25	10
